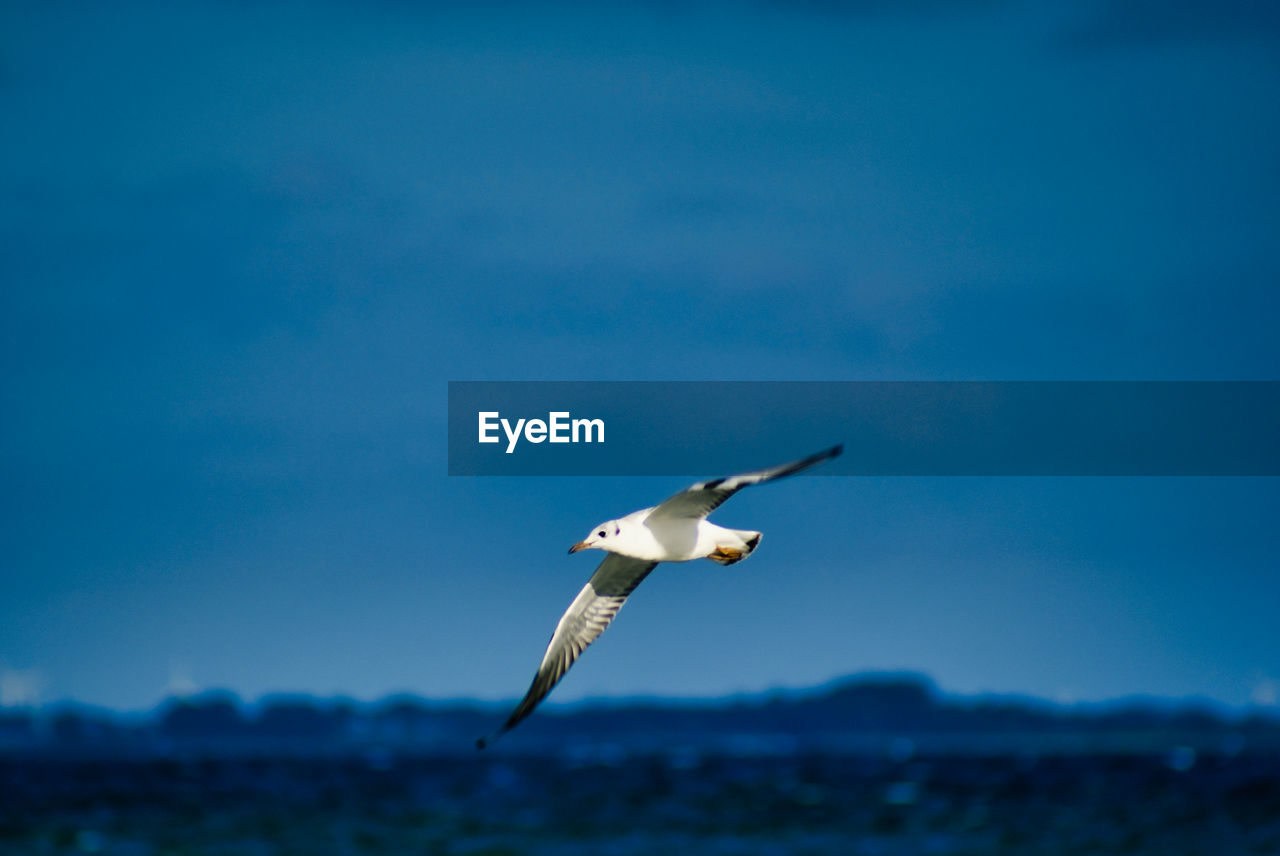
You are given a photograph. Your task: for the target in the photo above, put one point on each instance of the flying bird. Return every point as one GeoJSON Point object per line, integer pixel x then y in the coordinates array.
{"type": "Point", "coordinates": [675, 531]}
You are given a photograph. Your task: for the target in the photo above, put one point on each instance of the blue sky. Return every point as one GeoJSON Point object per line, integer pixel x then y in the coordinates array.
{"type": "Point", "coordinates": [245, 248]}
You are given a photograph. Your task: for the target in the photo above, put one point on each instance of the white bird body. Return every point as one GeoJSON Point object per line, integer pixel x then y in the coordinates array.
{"type": "Point", "coordinates": [674, 531]}
{"type": "Point", "coordinates": [656, 537]}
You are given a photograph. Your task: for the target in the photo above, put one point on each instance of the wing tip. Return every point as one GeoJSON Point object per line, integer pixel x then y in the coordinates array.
{"type": "Point", "coordinates": [488, 740]}
{"type": "Point", "coordinates": [817, 458]}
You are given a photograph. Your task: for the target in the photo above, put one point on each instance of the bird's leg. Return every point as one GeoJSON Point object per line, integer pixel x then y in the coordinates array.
{"type": "Point", "coordinates": [726, 555]}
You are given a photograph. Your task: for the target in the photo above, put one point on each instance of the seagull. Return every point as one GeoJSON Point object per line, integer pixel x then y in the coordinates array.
{"type": "Point", "coordinates": [675, 531]}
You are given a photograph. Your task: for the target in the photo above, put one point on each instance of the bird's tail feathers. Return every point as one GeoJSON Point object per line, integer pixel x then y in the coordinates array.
{"type": "Point", "coordinates": [731, 554]}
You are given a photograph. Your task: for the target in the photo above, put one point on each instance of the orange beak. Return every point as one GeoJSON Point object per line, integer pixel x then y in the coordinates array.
{"type": "Point", "coordinates": [581, 545]}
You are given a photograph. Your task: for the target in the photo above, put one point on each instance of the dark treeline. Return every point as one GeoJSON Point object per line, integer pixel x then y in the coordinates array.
{"type": "Point", "coordinates": [894, 714]}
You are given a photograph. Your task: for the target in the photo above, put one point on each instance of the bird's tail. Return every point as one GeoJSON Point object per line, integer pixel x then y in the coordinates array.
{"type": "Point", "coordinates": [732, 554]}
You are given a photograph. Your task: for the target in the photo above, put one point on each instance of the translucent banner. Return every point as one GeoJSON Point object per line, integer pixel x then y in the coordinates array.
{"type": "Point", "coordinates": [888, 428]}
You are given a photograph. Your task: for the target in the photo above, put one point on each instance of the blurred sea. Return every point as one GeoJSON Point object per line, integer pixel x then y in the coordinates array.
{"type": "Point", "coordinates": [864, 766]}
{"type": "Point", "coordinates": [670, 803]}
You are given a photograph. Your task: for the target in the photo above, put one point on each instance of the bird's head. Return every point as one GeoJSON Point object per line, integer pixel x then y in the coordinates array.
{"type": "Point", "coordinates": [599, 538]}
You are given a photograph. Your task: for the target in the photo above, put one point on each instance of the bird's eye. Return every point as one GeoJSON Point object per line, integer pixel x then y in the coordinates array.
{"type": "Point", "coordinates": [601, 533]}
{"type": "Point", "coordinates": [617, 530]}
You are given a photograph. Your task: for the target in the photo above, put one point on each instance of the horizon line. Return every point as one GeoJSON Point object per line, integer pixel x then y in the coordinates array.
{"type": "Point", "coordinates": [789, 693]}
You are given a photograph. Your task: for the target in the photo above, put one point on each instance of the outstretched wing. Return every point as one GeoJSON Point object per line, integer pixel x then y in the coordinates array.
{"type": "Point", "coordinates": [584, 621]}
{"type": "Point", "coordinates": [705, 497]}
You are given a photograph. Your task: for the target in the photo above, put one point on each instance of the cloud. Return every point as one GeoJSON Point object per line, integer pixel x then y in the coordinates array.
{"type": "Point", "coordinates": [1266, 693]}
{"type": "Point", "coordinates": [180, 682]}
{"type": "Point", "coordinates": [20, 687]}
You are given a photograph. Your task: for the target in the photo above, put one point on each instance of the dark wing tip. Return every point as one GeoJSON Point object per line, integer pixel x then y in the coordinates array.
{"type": "Point", "coordinates": [824, 455]}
